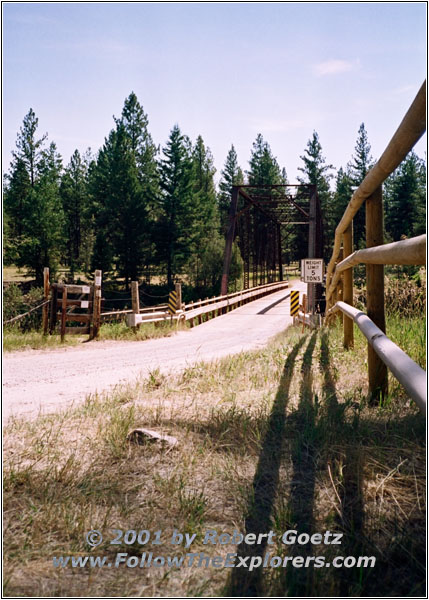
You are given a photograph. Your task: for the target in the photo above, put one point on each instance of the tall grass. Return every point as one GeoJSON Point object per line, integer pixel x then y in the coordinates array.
{"type": "Point", "coordinates": [280, 438]}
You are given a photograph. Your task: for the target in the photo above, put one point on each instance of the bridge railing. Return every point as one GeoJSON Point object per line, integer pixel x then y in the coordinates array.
{"type": "Point", "coordinates": [339, 279]}
{"type": "Point", "coordinates": [211, 307]}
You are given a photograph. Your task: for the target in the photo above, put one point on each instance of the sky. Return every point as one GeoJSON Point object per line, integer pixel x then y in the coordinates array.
{"type": "Point", "coordinates": [225, 71]}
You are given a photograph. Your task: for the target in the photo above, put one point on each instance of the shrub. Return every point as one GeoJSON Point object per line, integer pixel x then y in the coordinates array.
{"type": "Point", "coordinates": [15, 303]}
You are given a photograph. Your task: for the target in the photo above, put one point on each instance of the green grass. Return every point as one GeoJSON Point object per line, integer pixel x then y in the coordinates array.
{"type": "Point", "coordinates": [145, 331]}
{"type": "Point", "coordinates": [280, 438]}
{"type": "Point", "coordinates": [409, 334]}
{"type": "Point", "coordinates": [14, 339]}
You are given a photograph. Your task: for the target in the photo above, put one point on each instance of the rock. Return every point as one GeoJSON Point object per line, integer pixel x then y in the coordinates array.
{"type": "Point", "coordinates": [142, 436]}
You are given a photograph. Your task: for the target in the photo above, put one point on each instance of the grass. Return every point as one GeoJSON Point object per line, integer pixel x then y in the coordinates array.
{"type": "Point", "coordinates": [14, 339]}
{"type": "Point", "coordinates": [279, 439]}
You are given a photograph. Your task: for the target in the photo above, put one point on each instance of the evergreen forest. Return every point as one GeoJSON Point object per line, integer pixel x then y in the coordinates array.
{"type": "Point", "coordinates": [140, 211]}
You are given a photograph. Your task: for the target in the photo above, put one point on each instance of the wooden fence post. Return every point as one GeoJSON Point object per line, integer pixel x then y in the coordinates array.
{"type": "Point", "coordinates": [135, 300]}
{"type": "Point", "coordinates": [348, 287]}
{"type": "Point", "coordinates": [96, 305]}
{"type": "Point", "coordinates": [63, 313]}
{"type": "Point", "coordinates": [54, 309]}
{"type": "Point", "coordinates": [45, 313]}
{"type": "Point", "coordinates": [377, 370]}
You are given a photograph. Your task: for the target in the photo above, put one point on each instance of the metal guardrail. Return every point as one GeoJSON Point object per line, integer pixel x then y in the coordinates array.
{"type": "Point", "coordinates": [407, 372]}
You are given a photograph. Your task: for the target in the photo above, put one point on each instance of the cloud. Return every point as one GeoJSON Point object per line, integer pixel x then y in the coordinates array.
{"type": "Point", "coordinates": [334, 66]}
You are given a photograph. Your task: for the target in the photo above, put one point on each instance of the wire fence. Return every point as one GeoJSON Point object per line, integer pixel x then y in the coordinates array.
{"type": "Point", "coordinates": [18, 317]}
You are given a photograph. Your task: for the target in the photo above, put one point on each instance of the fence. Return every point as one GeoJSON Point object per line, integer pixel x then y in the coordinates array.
{"type": "Point", "coordinates": [61, 305]}
{"type": "Point", "coordinates": [339, 280]}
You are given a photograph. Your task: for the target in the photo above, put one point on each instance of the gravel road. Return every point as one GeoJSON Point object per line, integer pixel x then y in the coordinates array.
{"type": "Point", "coordinates": [43, 381]}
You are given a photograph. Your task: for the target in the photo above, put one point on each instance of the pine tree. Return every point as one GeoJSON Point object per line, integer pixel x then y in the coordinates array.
{"type": "Point", "coordinates": [74, 196]}
{"type": "Point", "coordinates": [264, 168]}
{"type": "Point", "coordinates": [231, 175]}
{"type": "Point", "coordinates": [121, 212]}
{"type": "Point", "coordinates": [135, 122]}
{"type": "Point", "coordinates": [42, 239]}
{"type": "Point", "coordinates": [32, 204]}
{"type": "Point", "coordinates": [405, 195]}
{"type": "Point", "coordinates": [207, 253]}
{"type": "Point", "coordinates": [125, 190]}
{"type": "Point", "coordinates": [343, 193]}
{"type": "Point", "coordinates": [359, 166]}
{"type": "Point", "coordinates": [176, 226]}
{"type": "Point", "coordinates": [30, 148]}
{"type": "Point", "coordinates": [316, 172]}
{"type": "Point", "coordinates": [17, 189]}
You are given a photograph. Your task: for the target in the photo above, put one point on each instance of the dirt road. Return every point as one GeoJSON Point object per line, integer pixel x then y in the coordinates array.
{"type": "Point", "coordinates": [42, 381]}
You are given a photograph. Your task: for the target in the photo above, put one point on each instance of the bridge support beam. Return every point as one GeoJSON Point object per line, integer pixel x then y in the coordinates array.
{"type": "Point", "coordinates": [229, 241]}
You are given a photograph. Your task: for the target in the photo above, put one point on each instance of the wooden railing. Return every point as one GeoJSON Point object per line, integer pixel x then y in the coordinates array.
{"type": "Point", "coordinates": [339, 279]}
{"type": "Point", "coordinates": [212, 307]}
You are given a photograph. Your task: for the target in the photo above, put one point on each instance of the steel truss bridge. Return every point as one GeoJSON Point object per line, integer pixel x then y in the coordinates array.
{"type": "Point", "coordinates": [260, 220]}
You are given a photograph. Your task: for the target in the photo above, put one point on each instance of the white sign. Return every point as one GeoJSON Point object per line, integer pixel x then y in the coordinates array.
{"type": "Point", "coordinates": [312, 270]}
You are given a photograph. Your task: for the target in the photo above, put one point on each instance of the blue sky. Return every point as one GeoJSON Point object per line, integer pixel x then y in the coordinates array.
{"type": "Point", "coordinates": [227, 71]}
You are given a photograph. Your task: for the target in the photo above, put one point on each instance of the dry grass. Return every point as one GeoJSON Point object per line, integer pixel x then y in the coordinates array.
{"type": "Point", "coordinates": [276, 439]}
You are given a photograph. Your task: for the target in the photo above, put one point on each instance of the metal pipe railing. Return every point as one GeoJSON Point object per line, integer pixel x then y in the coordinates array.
{"type": "Point", "coordinates": [407, 372]}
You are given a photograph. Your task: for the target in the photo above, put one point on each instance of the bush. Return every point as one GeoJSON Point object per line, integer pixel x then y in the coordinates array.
{"type": "Point", "coordinates": [403, 295]}
{"type": "Point", "coordinates": [15, 303]}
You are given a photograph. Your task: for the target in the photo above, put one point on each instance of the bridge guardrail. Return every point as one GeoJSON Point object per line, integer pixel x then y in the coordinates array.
{"type": "Point", "coordinates": [208, 306]}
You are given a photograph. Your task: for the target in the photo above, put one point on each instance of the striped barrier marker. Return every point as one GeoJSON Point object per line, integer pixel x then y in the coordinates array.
{"type": "Point", "coordinates": [294, 302]}
{"type": "Point", "coordinates": [172, 302]}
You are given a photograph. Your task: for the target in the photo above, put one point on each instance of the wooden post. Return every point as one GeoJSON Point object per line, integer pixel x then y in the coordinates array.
{"type": "Point", "coordinates": [304, 309]}
{"type": "Point", "coordinates": [96, 305]}
{"type": "Point", "coordinates": [348, 287]}
{"type": "Point", "coordinates": [135, 300]}
{"type": "Point", "coordinates": [54, 308]}
{"type": "Point", "coordinates": [63, 313]}
{"type": "Point", "coordinates": [45, 314]}
{"type": "Point", "coordinates": [377, 370]}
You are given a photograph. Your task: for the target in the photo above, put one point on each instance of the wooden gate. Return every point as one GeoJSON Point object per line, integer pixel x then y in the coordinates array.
{"type": "Point", "coordinates": [76, 305]}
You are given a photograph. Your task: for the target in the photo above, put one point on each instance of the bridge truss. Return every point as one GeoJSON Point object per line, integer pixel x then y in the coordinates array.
{"type": "Point", "coordinates": [260, 219]}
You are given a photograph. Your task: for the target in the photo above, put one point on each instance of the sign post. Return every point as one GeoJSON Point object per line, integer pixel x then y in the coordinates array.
{"type": "Point", "coordinates": [312, 271]}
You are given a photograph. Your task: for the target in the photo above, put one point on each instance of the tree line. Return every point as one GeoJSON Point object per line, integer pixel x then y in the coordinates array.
{"type": "Point", "coordinates": [136, 210]}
